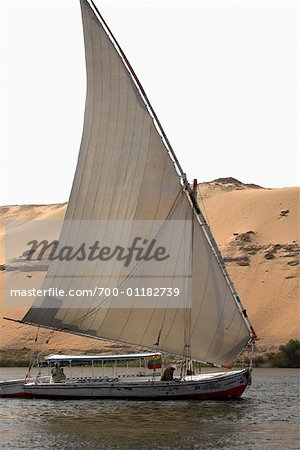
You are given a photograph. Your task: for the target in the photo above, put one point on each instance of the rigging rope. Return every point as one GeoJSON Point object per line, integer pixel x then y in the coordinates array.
{"type": "Point", "coordinates": [31, 357]}
{"type": "Point", "coordinates": [107, 299]}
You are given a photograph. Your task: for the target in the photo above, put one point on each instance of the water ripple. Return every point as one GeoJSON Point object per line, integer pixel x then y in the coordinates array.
{"type": "Point", "coordinates": [266, 418]}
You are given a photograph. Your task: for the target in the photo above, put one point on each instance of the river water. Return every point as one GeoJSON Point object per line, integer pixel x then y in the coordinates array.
{"type": "Point", "coordinates": [265, 418]}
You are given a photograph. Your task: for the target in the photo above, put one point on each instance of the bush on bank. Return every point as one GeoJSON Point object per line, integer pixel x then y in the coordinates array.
{"type": "Point", "coordinates": [288, 355]}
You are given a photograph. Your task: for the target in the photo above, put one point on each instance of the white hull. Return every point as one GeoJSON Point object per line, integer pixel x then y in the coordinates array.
{"type": "Point", "coordinates": [220, 385]}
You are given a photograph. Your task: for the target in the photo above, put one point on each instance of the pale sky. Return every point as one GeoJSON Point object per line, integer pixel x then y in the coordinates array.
{"type": "Point", "coordinates": [221, 75]}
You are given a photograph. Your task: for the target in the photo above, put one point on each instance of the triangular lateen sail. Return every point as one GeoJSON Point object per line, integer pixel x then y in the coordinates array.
{"type": "Point", "coordinates": [125, 172]}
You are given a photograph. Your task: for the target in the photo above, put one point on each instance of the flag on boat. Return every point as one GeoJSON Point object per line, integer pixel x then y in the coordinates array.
{"type": "Point", "coordinates": [154, 362]}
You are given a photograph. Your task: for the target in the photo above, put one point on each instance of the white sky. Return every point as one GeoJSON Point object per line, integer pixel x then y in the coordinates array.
{"type": "Point", "coordinates": [221, 75]}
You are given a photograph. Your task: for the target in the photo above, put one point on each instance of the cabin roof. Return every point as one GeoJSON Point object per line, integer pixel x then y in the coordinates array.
{"type": "Point", "coordinates": [130, 356]}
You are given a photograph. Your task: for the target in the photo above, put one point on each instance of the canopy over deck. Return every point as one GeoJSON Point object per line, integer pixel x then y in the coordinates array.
{"type": "Point", "coordinates": [90, 358]}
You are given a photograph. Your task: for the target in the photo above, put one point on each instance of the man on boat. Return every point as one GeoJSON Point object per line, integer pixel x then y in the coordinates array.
{"type": "Point", "coordinates": [57, 374]}
{"type": "Point", "coordinates": [168, 374]}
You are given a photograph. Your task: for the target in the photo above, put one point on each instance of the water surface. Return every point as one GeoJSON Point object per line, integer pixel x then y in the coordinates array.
{"type": "Point", "coordinates": [266, 418]}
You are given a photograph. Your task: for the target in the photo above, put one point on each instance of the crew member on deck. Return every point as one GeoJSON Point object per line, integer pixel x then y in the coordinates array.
{"type": "Point", "coordinates": [168, 374]}
{"type": "Point", "coordinates": [57, 374]}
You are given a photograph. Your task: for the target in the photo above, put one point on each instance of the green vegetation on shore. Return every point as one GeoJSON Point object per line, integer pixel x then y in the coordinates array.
{"type": "Point", "coordinates": [288, 356]}
{"type": "Point", "coordinates": [14, 362]}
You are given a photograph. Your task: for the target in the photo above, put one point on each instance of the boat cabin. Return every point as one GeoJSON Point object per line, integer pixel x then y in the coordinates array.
{"type": "Point", "coordinates": [102, 367]}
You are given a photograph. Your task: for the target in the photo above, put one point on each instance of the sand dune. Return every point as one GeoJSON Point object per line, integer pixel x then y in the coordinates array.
{"type": "Point", "coordinates": [257, 230]}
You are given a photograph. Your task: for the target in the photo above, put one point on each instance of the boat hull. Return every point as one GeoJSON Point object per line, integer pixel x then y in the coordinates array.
{"type": "Point", "coordinates": [12, 388]}
{"type": "Point", "coordinates": [221, 386]}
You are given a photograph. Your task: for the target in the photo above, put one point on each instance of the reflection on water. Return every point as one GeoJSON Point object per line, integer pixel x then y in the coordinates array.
{"type": "Point", "coordinates": [265, 418]}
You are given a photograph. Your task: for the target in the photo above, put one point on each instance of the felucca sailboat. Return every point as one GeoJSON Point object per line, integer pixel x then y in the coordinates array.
{"type": "Point", "coordinates": [128, 176]}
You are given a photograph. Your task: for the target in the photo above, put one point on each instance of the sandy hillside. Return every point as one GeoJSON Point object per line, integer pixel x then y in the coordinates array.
{"type": "Point", "coordinates": [258, 233]}
{"type": "Point", "coordinates": [257, 230]}
{"type": "Point", "coordinates": [17, 339]}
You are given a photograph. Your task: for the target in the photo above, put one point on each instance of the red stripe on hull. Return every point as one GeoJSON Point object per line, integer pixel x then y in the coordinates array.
{"type": "Point", "coordinates": [230, 393]}
{"type": "Point", "coordinates": [227, 394]}
{"type": "Point", "coordinates": [17, 394]}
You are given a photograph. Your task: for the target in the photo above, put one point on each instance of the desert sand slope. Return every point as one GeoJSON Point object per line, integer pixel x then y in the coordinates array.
{"type": "Point", "coordinates": [17, 339]}
{"type": "Point", "coordinates": [258, 232]}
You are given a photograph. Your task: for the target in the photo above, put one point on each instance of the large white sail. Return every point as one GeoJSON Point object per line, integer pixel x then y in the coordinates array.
{"type": "Point", "coordinates": [125, 172]}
